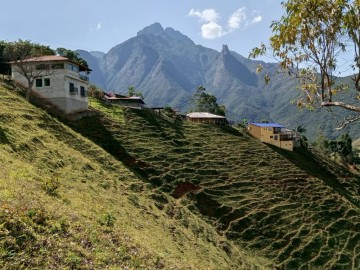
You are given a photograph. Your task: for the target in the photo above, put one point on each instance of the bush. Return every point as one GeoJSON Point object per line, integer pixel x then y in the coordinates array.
{"type": "Point", "coordinates": [51, 186]}
{"type": "Point", "coordinates": [107, 220]}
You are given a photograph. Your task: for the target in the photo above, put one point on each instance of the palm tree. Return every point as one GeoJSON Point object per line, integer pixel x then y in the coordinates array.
{"type": "Point", "coordinates": [301, 131]}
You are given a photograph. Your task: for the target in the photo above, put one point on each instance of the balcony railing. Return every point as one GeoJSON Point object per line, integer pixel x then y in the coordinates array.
{"type": "Point", "coordinates": [286, 137]}
{"type": "Point", "coordinates": [84, 77]}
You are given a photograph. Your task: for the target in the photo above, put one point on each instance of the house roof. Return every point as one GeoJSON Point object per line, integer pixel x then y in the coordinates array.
{"type": "Point", "coordinates": [267, 125]}
{"type": "Point", "coordinates": [112, 96]}
{"type": "Point", "coordinates": [133, 98]}
{"type": "Point", "coordinates": [53, 58]}
{"type": "Point", "coordinates": [204, 115]}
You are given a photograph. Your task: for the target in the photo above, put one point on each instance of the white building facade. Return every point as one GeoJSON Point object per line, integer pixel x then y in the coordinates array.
{"type": "Point", "coordinates": [62, 82]}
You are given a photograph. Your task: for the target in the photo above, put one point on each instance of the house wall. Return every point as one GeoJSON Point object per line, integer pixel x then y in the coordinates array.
{"type": "Point", "coordinates": [266, 134]}
{"type": "Point", "coordinates": [288, 145]}
{"type": "Point", "coordinates": [215, 121]}
{"type": "Point", "coordinates": [135, 104]}
{"type": "Point", "coordinates": [255, 131]}
{"type": "Point", "coordinates": [59, 90]}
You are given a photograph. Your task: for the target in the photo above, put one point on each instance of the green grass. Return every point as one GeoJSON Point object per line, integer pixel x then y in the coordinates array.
{"type": "Point", "coordinates": [111, 110]}
{"type": "Point", "coordinates": [296, 209]}
{"type": "Point", "coordinates": [66, 203]}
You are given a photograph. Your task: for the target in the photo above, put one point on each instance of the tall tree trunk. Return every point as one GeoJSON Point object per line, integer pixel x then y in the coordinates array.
{"type": "Point", "coordinates": [29, 89]}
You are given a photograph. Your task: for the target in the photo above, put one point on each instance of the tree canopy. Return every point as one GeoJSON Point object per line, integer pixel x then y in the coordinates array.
{"type": "Point", "coordinates": [133, 93]}
{"type": "Point", "coordinates": [74, 56]}
{"type": "Point", "coordinates": [204, 102]}
{"type": "Point", "coordinates": [311, 41]}
{"type": "Point", "coordinates": [19, 51]}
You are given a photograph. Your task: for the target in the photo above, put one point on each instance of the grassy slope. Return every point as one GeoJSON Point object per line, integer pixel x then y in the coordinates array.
{"type": "Point", "coordinates": [65, 203]}
{"type": "Point", "coordinates": [290, 207]}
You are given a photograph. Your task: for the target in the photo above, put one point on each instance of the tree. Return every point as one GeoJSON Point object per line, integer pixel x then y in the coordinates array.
{"type": "Point", "coordinates": [301, 131]}
{"type": "Point", "coordinates": [310, 42]}
{"type": "Point", "coordinates": [5, 67]}
{"type": "Point", "coordinates": [18, 52]}
{"type": "Point", "coordinates": [74, 56]}
{"type": "Point", "coordinates": [94, 91]}
{"type": "Point", "coordinates": [133, 93]}
{"type": "Point", "coordinates": [204, 102]}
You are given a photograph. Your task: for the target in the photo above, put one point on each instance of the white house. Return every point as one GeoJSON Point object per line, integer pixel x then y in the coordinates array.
{"type": "Point", "coordinates": [63, 82]}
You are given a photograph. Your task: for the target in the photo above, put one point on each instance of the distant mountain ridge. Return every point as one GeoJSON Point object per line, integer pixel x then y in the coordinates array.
{"type": "Point", "coordinates": [167, 67]}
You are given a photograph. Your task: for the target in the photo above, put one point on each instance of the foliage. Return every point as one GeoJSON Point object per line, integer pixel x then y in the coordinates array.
{"type": "Point", "coordinates": [51, 186]}
{"type": "Point", "coordinates": [341, 147]}
{"type": "Point", "coordinates": [243, 124]}
{"type": "Point", "coordinates": [301, 131]}
{"type": "Point", "coordinates": [74, 56]}
{"type": "Point", "coordinates": [38, 231]}
{"type": "Point", "coordinates": [204, 102]}
{"type": "Point", "coordinates": [94, 91]}
{"type": "Point", "coordinates": [253, 194]}
{"type": "Point", "coordinates": [108, 219]}
{"type": "Point", "coordinates": [5, 68]}
{"type": "Point", "coordinates": [311, 42]}
{"type": "Point", "coordinates": [22, 49]}
{"type": "Point", "coordinates": [133, 93]}
{"type": "Point", "coordinates": [169, 111]}
{"type": "Point", "coordinates": [19, 52]}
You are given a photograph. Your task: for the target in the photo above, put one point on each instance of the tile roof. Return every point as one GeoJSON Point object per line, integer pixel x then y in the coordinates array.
{"type": "Point", "coordinates": [47, 58]}
{"type": "Point", "coordinates": [53, 58]}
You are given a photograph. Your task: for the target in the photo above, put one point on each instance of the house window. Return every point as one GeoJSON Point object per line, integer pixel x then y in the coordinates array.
{"type": "Point", "coordinates": [82, 91]}
{"type": "Point", "coordinates": [73, 67]}
{"type": "Point", "coordinates": [72, 88]}
{"type": "Point", "coordinates": [38, 83]}
{"type": "Point", "coordinates": [275, 137]}
{"type": "Point", "coordinates": [57, 66]}
{"type": "Point", "coordinates": [271, 137]}
{"type": "Point", "coordinates": [47, 82]}
{"type": "Point", "coordinates": [42, 67]}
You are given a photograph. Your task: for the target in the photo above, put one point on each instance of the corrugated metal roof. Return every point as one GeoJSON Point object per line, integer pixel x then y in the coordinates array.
{"type": "Point", "coordinates": [204, 115]}
{"type": "Point", "coordinates": [268, 125]}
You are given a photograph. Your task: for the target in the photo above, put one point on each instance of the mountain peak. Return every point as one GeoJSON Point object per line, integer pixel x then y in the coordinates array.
{"type": "Point", "coordinates": [225, 49]}
{"type": "Point", "coordinates": [153, 29]}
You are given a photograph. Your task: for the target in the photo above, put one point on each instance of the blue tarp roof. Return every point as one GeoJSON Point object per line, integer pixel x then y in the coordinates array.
{"type": "Point", "coordinates": [268, 125]}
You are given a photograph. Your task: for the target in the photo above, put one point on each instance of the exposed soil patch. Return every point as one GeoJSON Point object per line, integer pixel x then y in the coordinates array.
{"type": "Point", "coordinates": [184, 188]}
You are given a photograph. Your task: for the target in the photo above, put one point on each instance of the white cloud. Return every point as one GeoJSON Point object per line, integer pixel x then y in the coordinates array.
{"type": "Point", "coordinates": [211, 29]}
{"type": "Point", "coordinates": [236, 19]}
{"type": "Point", "coordinates": [98, 26]}
{"type": "Point", "coordinates": [207, 15]}
{"type": "Point", "coordinates": [256, 19]}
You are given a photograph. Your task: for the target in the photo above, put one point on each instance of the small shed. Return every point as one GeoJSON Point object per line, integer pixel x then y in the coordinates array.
{"type": "Point", "coordinates": [207, 118]}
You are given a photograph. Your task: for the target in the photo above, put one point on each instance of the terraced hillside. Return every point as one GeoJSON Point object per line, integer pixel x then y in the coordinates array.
{"type": "Point", "coordinates": [65, 203]}
{"type": "Point", "coordinates": [293, 208]}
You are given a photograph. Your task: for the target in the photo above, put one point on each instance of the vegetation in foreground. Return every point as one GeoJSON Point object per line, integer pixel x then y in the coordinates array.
{"type": "Point", "coordinates": [65, 203]}
{"type": "Point", "coordinates": [295, 208]}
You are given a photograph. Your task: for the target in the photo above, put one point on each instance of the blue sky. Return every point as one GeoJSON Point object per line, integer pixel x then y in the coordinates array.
{"type": "Point", "coordinates": [101, 25]}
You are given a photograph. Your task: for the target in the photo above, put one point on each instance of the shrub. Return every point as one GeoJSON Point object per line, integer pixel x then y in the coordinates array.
{"type": "Point", "coordinates": [107, 220]}
{"type": "Point", "coordinates": [51, 186]}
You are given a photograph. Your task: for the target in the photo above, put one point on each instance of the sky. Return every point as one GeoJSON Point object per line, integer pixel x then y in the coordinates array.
{"type": "Point", "coordinates": [100, 25]}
